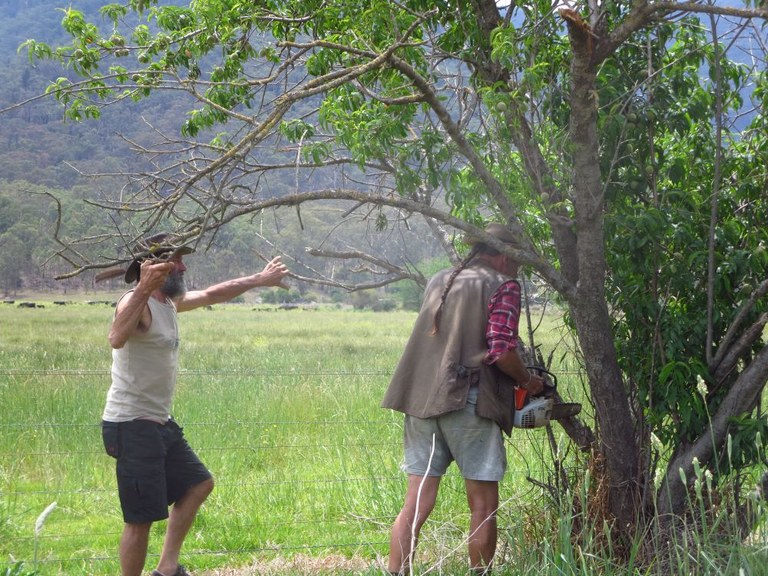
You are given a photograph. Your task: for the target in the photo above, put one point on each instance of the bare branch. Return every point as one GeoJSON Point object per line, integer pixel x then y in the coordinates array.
{"type": "Point", "coordinates": [644, 13]}
{"type": "Point", "coordinates": [737, 341]}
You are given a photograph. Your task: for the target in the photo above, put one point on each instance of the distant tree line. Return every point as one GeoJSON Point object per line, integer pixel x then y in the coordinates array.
{"type": "Point", "coordinates": [50, 166]}
{"type": "Point", "coordinates": [28, 214]}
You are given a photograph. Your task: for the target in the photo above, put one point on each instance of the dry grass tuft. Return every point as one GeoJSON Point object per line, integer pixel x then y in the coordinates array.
{"type": "Point", "coordinates": [300, 565]}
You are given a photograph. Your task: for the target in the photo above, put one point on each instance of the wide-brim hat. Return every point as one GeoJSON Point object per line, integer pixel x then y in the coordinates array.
{"type": "Point", "coordinates": [157, 247]}
{"type": "Point", "coordinates": [161, 247]}
{"type": "Point", "coordinates": [498, 231]}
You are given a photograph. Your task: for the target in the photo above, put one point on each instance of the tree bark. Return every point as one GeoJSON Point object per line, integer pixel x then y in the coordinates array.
{"type": "Point", "coordinates": [741, 398]}
{"type": "Point", "coordinates": [589, 308]}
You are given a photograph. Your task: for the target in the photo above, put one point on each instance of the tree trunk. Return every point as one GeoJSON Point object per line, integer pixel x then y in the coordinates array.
{"type": "Point", "coordinates": [741, 398]}
{"type": "Point", "coordinates": [589, 308]}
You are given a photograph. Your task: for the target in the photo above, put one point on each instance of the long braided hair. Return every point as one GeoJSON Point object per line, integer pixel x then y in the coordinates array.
{"type": "Point", "coordinates": [476, 249]}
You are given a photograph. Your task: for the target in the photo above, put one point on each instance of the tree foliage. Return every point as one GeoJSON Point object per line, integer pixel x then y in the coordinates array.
{"type": "Point", "coordinates": [624, 143]}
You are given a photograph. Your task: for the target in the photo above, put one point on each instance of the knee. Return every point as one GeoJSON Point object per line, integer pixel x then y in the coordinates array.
{"type": "Point", "coordinates": [199, 492]}
{"type": "Point", "coordinates": [136, 528]}
{"type": "Point", "coordinates": [483, 517]}
{"type": "Point", "coordinates": [206, 487]}
{"type": "Point", "coordinates": [483, 502]}
{"type": "Point", "coordinates": [484, 514]}
{"type": "Point", "coordinates": [484, 508]}
{"type": "Point", "coordinates": [410, 519]}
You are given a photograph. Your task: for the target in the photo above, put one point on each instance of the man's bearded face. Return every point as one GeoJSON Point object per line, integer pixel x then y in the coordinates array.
{"type": "Point", "coordinates": [174, 286]}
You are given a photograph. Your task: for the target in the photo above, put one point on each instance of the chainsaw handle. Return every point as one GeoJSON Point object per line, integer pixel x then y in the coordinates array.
{"type": "Point", "coordinates": [548, 388]}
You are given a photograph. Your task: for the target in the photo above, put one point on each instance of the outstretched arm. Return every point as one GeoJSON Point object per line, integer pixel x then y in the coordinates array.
{"type": "Point", "coordinates": [272, 275]}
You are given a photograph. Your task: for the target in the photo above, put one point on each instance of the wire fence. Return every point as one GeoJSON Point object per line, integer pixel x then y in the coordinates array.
{"type": "Point", "coordinates": [265, 462]}
{"type": "Point", "coordinates": [304, 462]}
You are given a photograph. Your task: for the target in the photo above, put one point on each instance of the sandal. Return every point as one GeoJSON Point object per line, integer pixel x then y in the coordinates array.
{"type": "Point", "coordinates": [180, 571]}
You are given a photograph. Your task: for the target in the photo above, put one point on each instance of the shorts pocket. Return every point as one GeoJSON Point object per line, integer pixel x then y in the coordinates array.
{"type": "Point", "coordinates": [111, 438]}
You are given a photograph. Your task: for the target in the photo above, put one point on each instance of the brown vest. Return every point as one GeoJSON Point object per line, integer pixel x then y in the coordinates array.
{"type": "Point", "coordinates": [435, 371]}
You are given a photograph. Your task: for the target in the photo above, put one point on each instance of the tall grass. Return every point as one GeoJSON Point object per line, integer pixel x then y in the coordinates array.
{"type": "Point", "coordinates": [283, 407]}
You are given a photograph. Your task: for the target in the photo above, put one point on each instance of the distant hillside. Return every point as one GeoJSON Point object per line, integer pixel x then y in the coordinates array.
{"type": "Point", "coordinates": [39, 152]}
{"type": "Point", "coordinates": [39, 19]}
{"type": "Point", "coordinates": [35, 143]}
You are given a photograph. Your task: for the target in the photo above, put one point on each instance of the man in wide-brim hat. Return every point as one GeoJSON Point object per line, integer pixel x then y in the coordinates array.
{"type": "Point", "coordinates": [156, 467]}
{"type": "Point", "coordinates": [455, 404]}
{"type": "Point", "coordinates": [158, 247]}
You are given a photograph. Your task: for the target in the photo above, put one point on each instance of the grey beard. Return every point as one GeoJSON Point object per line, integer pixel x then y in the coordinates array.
{"type": "Point", "coordinates": [174, 286]}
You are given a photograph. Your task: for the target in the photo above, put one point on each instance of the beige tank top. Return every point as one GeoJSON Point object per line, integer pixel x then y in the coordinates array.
{"type": "Point", "coordinates": [144, 370]}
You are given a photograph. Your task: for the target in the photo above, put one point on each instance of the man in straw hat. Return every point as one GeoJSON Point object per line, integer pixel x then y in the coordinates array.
{"type": "Point", "coordinates": [156, 468]}
{"type": "Point", "coordinates": [455, 404]}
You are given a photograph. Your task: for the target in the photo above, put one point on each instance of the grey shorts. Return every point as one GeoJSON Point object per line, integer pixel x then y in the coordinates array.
{"type": "Point", "coordinates": [476, 444]}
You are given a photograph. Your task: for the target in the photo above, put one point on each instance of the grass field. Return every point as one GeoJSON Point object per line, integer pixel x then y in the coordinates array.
{"type": "Point", "coordinates": [283, 407]}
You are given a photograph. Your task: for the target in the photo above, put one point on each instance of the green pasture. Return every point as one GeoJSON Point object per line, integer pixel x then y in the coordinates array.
{"type": "Point", "coordinates": [283, 407]}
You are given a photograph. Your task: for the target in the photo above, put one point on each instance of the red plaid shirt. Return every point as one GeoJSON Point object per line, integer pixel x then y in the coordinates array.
{"type": "Point", "coordinates": [503, 319]}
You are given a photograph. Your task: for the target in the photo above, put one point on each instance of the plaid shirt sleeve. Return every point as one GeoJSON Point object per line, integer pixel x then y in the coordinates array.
{"type": "Point", "coordinates": [503, 319]}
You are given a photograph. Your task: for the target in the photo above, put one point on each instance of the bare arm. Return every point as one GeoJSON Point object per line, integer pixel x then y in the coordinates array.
{"type": "Point", "coordinates": [132, 315]}
{"type": "Point", "coordinates": [512, 365]}
{"type": "Point", "coordinates": [272, 275]}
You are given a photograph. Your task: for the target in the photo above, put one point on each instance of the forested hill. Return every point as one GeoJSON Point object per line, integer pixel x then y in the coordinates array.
{"type": "Point", "coordinates": [41, 154]}
{"type": "Point", "coordinates": [35, 143]}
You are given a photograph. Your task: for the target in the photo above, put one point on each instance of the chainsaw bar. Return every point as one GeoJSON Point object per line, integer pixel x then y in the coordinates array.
{"type": "Point", "coordinates": [564, 410]}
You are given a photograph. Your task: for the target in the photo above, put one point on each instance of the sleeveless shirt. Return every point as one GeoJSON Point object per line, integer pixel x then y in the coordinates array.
{"type": "Point", "coordinates": [144, 370]}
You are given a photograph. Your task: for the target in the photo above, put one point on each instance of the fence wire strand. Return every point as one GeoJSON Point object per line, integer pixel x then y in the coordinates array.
{"type": "Point", "coordinates": [19, 498]}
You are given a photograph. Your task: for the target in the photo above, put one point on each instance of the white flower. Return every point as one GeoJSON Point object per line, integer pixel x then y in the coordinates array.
{"type": "Point", "coordinates": [655, 442]}
{"type": "Point", "coordinates": [701, 386]}
{"type": "Point", "coordinates": [43, 515]}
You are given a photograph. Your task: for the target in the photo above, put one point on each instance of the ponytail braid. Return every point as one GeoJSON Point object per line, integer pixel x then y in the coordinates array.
{"type": "Point", "coordinates": [463, 264]}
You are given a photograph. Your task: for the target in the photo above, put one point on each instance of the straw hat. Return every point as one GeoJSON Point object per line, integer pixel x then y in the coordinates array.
{"type": "Point", "coordinates": [160, 246]}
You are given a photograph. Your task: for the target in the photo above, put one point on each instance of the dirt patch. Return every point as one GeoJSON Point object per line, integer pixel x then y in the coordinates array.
{"type": "Point", "coordinates": [301, 565]}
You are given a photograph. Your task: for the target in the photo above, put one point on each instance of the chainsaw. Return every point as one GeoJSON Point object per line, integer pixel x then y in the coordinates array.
{"type": "Point", "coordinates": [538, 411]}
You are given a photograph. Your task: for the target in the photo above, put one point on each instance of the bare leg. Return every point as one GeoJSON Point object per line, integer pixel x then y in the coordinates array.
{"type": "Point", "coordinates": [483, 498]}
{"type": "Point", "coordinates": [180, 521]}
{"type": "Point", "coordinates": [133, 548]}
{"type": "Point", "coordinates": [405, 530]}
